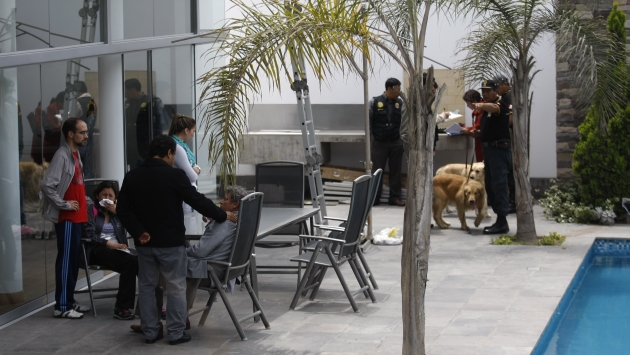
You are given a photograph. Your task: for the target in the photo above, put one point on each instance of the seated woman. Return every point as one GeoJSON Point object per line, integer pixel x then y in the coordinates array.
{"type": "Point", "coordinates": [109, 246]}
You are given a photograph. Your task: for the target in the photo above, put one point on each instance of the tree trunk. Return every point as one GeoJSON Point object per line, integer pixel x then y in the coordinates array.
{"type": "Point", "coordinates": [418, 213]}
{"type": "Point", "coordinates": [525, 224]}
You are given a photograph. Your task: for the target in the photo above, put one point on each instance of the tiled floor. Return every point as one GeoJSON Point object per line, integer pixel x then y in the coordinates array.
{"type": "Point", "coordinates": [481, 299]}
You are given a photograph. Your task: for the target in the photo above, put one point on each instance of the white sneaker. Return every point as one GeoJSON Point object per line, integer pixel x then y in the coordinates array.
{"type": "Point", "coordinates": [72, 314]}
{"type": "Point", "coordinates": [80, 308]}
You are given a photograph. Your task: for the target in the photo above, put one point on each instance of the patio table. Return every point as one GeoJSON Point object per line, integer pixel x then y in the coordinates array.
{"type": "Point", "coordinates": [274, 219]}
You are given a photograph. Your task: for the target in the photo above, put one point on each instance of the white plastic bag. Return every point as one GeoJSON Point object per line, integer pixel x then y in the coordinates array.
{"type": "Point", "coordinates": [388, 236]}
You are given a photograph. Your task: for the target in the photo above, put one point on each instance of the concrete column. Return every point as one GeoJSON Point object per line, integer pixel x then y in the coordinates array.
{"type": "Point", "coordinates": [11, 287]}
{"type": "Point", "coordinates": [111, 112]}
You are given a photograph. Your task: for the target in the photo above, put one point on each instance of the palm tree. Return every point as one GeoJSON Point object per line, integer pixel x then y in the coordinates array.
{"type": "Point", "coordinates": [328, 35]}
{"type": "Point", "coordinates": [504, 42]}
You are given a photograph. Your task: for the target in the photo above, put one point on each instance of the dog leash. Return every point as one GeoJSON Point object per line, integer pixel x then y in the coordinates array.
{"type": "Point", "coordinates": [466, 160]}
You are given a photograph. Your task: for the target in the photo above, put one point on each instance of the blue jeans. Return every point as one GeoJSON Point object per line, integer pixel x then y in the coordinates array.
{"type": "Point", "coordinates": [498, 163]}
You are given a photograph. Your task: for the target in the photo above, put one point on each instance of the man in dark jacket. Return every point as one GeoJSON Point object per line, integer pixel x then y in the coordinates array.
{"type": "Point", "coordinates": [150, 208]}
{"type": "Point", "coordinates": [385, 118]}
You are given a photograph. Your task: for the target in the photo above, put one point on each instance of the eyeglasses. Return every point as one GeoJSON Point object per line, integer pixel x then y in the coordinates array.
{"type": "Point", "coordinates": [83, 133]}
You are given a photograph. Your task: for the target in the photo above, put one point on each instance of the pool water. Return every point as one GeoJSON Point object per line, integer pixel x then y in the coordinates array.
{"type": "Point", "coordinates": [593, 316]}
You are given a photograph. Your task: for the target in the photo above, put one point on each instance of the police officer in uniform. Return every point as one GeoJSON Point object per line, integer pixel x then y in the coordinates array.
{"type": "Point", "coordinates": [385, 117]}
{"type": "Point", "coordinates": [497, 152]}
{"type": "Point", "coordinates": [503, 89]}
{"type": "Point", "coordinates": [139, 118]}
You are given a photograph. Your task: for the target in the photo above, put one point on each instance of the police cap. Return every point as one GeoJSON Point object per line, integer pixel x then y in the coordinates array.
{"type": "Point", "coordinates": [489, 84]}
{"type": "Point", "coordinates": [501, 79]}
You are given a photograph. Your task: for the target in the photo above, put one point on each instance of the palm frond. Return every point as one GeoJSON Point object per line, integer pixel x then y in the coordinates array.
{"type": "Point", "coordinates": [262, 42]}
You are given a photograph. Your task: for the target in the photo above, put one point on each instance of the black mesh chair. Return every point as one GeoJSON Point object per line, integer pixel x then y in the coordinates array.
{"type": "Point", "coordinates": [282, 182]}
{"type": "Point", "coordinates": [110, 292]}
{"type": "Point", "coordinates": [239, 263]}
{"type": "Point", "coordinates": [374, 184]}
{"type": "Point", "coordinates": [335, 251]}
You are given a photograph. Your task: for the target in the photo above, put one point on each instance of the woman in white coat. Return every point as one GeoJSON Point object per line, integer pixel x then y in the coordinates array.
{"type": "Point", "coordinates": [183, 131]}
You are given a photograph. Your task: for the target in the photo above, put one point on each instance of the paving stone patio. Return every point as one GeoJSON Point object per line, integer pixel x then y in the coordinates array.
{"type": "Point", "coordinates": [481, 299]}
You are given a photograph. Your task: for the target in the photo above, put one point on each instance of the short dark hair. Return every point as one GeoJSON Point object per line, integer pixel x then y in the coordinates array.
{"type": "Point", "coordinates": [391, 82]}
{"type": "Point", "coordinates": [160, 146]}
{"type": "Point", "coordinates": [472, 96]}
{"type": "Point", "coordinates": [105, 185]}
{"type": "Point", "coordinates": [133, 83]}
{"type": "Point", "coordinates": [80, 86]}
{"type": "Point", "coordinates": [61, 96]}
{"type": "Point", "coordinates": [70, 125]}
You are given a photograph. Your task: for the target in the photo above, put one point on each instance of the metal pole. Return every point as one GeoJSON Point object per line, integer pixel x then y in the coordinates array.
{"type": "Point", "coordinates": [366, 113]}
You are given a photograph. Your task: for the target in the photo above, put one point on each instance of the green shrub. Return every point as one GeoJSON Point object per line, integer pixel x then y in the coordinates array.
{"type": "Point", "coordinates": [552, 239]}
{"type": "Point", "coordinates": [563, 204]}
{"type": "Point", "coordinates": [601, 160]}
{"type": "Point", "coordinates": [503, 239]}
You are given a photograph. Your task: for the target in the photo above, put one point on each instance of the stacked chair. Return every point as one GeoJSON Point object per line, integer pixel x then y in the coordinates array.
{"type": "Point", "coordinates": [341, 246]}
{"type": "Point", "coordinates": [282, 182]}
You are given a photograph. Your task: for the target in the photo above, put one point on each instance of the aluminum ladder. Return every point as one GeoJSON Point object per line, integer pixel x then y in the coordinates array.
{"type": "Point", "coordinates": [89, 16]}
{"type": "Point", "coordinates": [313, 157]}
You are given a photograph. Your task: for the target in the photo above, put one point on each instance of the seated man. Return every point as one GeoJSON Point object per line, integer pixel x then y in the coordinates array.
{"type": "Point", "coordinates": [215, 244]}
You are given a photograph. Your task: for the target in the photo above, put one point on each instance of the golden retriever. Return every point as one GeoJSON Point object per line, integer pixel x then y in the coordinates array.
{"type": "Point", "coordinates": [477, 174]}
{"type": "Point", "coordinates": [453, 188]}
{"type": "Point", "coordinates": [32, 174]}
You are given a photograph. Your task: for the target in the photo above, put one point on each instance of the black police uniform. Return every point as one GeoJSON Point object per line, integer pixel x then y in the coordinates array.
{"type": "Point", "coordinates": [497, 153]}
{"type": "Point", "coordinates": [385, 117]}
{"type": "Point", "coordinates": [139, 120]}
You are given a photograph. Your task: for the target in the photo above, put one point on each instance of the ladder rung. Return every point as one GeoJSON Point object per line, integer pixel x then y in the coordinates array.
{"type": "Point", "coordinates": [308, 122]}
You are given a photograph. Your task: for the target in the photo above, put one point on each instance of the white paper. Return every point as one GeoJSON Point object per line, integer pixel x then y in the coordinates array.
{"type": "Point", "coordinates": [454, 130]}
{"type": "Point", "coordinates": [452, 116]}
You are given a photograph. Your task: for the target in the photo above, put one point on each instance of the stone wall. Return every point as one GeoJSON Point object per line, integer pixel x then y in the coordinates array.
{"type": "Point", "coordinates": [568, 118]}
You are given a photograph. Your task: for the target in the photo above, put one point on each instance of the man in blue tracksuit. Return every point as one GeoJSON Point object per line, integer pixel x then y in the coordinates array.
{"type": "Point", "coordinates": [65, 206]}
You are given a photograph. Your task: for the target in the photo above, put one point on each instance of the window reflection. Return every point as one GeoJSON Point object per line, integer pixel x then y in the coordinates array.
{"type": "Point", "coordinates": [144, 111]}
{"type": "Point", "coordinates": [148, 18]}
{"type": "Point", "coordinates": [37, 24]}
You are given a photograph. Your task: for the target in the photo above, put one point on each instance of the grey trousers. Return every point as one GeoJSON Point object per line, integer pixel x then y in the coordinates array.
{"type": "Point", "coordinates": [171, 263]}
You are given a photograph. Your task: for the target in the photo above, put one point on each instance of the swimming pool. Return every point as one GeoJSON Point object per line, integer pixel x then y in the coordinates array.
{"type": "Point", "coordinates": [593, 316]}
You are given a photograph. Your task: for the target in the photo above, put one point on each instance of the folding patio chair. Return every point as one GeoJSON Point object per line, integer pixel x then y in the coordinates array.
{"type": "Point", "coordinates": [333, 252]}
{"type": "Point", "coordinates": [376, 180]}
{"type": "Point", "coordinates": [282, 182]}
{"type": "Point", "coordinates": [238, 264]}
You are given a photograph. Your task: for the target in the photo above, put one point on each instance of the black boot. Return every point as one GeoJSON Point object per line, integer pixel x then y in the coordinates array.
{"type": "Point", "coordinates": [499, 227]}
